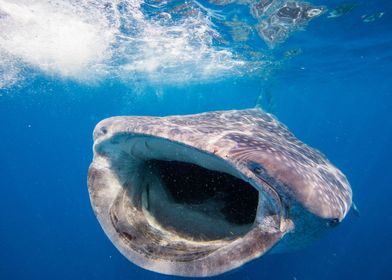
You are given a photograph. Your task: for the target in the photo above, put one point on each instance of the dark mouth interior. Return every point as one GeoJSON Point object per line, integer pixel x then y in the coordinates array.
{"type": "Point", "coordinates": [213, 194]}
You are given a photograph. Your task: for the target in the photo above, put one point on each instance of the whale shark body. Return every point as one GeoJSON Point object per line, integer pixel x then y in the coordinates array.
{"type": "Point", "coordinates": [199, 195]}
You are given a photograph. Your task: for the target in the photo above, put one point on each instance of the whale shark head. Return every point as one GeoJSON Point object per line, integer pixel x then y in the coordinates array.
{"type": "Point", "coordinates": [199, 195]}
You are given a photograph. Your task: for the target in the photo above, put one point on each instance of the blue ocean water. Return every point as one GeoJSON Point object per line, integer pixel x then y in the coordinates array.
{"type": "Point", "coordinates": [329, 81]}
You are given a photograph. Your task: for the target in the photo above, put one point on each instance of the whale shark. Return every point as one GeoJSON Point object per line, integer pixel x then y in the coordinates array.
{"type": "Point", "coordinates": [199, 195]}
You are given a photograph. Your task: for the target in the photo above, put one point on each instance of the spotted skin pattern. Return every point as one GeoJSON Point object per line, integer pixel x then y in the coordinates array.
{"type": "Point", "coordinates": [241, 137]}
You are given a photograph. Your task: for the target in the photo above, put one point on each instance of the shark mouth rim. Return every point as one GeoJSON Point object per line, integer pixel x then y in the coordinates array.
{"type": "Point", "coordinates": [133, 206]}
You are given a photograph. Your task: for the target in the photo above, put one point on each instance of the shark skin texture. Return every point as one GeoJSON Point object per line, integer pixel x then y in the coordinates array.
{"type": "Point", "coordinates": [200, 195]}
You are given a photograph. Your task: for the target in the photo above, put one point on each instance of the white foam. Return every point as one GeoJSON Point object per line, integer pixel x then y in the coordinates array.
{"type": "Point", "coordinates": [9, 71]}
{"type": "Point", "coordinates": [53, 38]}
{"type": "Point", "coordinates": [90, 40]}
{"type": "Point", "coordinates": [178, 53]}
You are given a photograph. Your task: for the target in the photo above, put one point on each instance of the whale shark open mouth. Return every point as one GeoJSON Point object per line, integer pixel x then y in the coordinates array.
{"type": "Point", "coordinates": [188, 199]}
{"type": "Point", "coordinates": [202, 194]}
{"type": "Point", "coordinates": [179, 208]}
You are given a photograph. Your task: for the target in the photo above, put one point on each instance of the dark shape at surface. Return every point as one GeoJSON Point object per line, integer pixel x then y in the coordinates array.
{"type": "Point", "coordinates": [199, 195]}
{"type": "Point", "coordinates": [342, 10]}
{"type": "Point", "coordinates": [277, 19]}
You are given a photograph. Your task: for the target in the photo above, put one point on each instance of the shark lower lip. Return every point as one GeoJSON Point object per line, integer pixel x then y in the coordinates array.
{"type": "Point", "coordinates": [203, 194]}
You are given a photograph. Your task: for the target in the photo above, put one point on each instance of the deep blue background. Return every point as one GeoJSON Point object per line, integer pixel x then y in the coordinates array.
{"type": "Point", "coordinates": [336, 96]}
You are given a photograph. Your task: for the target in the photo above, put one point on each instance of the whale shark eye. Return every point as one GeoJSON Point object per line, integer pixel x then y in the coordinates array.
{"type": "Point", "coordinates": [333, 222]}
